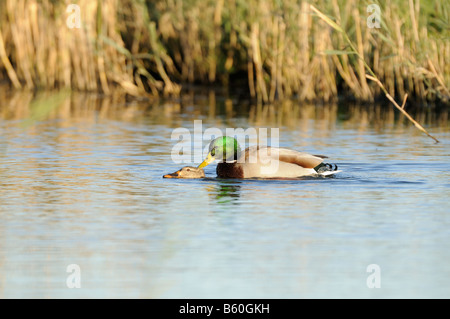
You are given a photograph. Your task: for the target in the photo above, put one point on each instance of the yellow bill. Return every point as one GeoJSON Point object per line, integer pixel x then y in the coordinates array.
{"type": "Point", "coordinates": [209, 159]}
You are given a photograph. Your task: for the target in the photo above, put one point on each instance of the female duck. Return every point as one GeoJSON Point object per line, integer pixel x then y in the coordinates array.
{"type": "Point", "coordinates": [187, 172]}
{"type": "Point", "coordinates": [263, 161]}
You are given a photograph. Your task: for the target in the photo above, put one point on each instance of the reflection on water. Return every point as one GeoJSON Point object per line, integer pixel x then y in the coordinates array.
{"type": "Point", "coordinates": [225, 192]}
{"type": "Point", "coordinates": [80, 183]}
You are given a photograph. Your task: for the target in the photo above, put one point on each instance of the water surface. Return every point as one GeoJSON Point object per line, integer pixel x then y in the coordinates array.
{"type": "Point", "coordinates": [81, 183]}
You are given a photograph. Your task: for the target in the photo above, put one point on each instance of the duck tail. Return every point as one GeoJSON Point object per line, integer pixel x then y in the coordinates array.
{"type": "Point", "coordinates": [325, 167]}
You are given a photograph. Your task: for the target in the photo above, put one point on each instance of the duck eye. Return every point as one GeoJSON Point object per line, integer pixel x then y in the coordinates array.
{"type": "Point", "coordinates": [188, 169]}
{"type": "Point", "coordinates": [213, 152]}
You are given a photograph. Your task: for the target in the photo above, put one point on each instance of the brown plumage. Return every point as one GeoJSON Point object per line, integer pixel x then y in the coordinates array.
{"type": "Point", "coordinates": [229, 170]}
{"type": "Point", "coordinates": [187, 172]}
{"type": "Point", "coordinates": [270, 162]}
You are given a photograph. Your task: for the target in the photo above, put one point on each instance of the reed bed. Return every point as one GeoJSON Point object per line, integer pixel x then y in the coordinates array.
{"type": "Point", "coordinates": [274, 49]}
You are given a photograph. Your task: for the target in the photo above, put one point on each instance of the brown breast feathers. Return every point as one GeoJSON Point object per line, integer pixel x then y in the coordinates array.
{"type": "Point", "coordinates": [229, 170]}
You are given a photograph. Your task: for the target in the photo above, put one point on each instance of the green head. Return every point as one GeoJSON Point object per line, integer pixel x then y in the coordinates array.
{"type": "Point", "coordinates": [223, 148]}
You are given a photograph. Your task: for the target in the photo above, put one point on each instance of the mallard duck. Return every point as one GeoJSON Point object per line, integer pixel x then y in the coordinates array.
{"type": "Point", "coordinates": [187, 172]}
{"type": "Point", "coordinates": [263, 161]}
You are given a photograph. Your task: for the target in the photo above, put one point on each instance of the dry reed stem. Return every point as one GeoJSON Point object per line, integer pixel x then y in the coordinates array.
{"type": "Point", "coordinates": [372, 75]}
{"type": "Point", "coordinates": [400, 108]}
{"type": "Point", "coordinates": [151, 47]}
{"type": "Point", "coordinates": [9, 68]}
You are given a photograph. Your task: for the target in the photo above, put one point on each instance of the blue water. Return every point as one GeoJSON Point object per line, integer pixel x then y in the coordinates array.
{"type": "Point", "coordinates": [86, 188]}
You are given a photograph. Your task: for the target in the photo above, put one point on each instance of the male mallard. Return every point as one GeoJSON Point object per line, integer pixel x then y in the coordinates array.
{"type": "Point", "coordinates": [263, 161]}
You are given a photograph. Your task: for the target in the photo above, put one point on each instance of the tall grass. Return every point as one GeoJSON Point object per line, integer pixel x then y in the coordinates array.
{"type": "Point", "coordinates": [279, 48]}
{"type": "Point", "coordinates": [39, 50]}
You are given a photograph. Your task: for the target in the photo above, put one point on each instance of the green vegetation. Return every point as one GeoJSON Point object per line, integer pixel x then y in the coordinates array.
{"type": "Point", "coordinates": [274, 49]}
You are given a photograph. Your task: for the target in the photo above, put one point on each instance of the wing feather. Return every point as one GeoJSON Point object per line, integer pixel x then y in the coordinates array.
{"type": "Point", "coordinates": [283, 155]}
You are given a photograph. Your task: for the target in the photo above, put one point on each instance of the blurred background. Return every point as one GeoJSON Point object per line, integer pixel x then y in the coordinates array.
{"type": "Point", "coordinates": [90, 95]}
{"type": "Point", "coordinates": [268, 49]}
